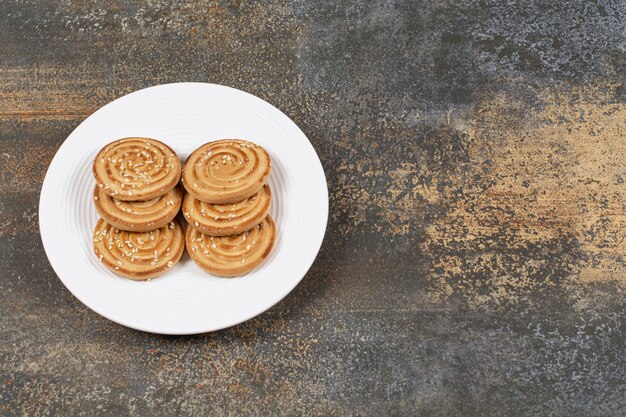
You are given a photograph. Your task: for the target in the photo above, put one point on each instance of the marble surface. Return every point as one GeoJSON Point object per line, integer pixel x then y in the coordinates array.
{"type": "Point", "coordinates": [475, 257]}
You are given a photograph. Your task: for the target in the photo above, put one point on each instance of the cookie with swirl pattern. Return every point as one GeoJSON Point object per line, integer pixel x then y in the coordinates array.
{"type": "Point", "coordinates": [235, 255]}
{"type": "Point", "coordinates": [226, 171]}
{"type": "Point", "coordinates": [136, 169]}
{"type": "Point", "coordinates": [139, 256]}
{"type": "Point", "coordinates": [138, 216]}
{"type": "Point", "coordinates": [227, 219]}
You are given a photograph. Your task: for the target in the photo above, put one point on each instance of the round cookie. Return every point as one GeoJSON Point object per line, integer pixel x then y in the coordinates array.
{"type": "Point", "coordinates": [231, 256]}
{"type": "Point", "coordinates": [139, 256]}
{"type": "Point", "coordinates": [227, 219]}
{"type": "Point", "coordinates": [136, 169]}
{"type": "Point", "coordinates": [226, 171]}
{"type": "Point", "coordinates": [138, 216]}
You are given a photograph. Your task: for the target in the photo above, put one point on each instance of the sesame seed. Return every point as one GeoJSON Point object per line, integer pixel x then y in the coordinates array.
{"type": "Point", "coordinates": [196, 224]}
{"type": "Point", "coordinates": [152, 263]}
{"type": "Point", "coordinates": [95, 197]}
{"type": "Point", "coordinates": [186, 214]}
{"type": "Point", "coordinates": [213, 245]}
{"type": "Point", "coordinates": [235, 227]}
{"type": "Point", "coordinates": [170, 264]}
{"type": "Point", "coordinates": [248, 247]}
{"type": "Point", "coordinates": [217, 218]}
{"type": "Point", "coordinates": [243, 261]}
{"type": "Point", "coordinates": [117, 268]}
{"type": "Point", "coordinates": [168, 249]}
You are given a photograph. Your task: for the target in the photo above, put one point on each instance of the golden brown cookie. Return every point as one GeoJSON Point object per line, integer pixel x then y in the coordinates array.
{"type": "Point", "coordinates": [138, 216]}
{"type": "Point", "coordinates": [230, 256]}
{"type": "Point", "coordinates": [227, 219]}
{"type": "Point", "coordinates": [136, 169]}
{"type": "Point", "coordinates": [139, 256]}
{"type": "Point", "coordinates": [226, 171]}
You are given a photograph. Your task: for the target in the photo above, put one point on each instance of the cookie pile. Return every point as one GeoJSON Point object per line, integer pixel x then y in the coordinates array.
{"type": "Point", "coordinates": [137, 198]}
{"type": "Point", "coordinates": [227, 207]}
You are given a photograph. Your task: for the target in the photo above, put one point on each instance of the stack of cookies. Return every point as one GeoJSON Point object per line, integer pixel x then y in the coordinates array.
{"type": "Point", "coordinates": [137, 198]}
{"type": "Point", "coordinates": [230, 231]}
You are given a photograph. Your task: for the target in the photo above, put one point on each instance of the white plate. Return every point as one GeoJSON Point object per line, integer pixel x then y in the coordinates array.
{"type": "Point", "coordinates": [186, 300]}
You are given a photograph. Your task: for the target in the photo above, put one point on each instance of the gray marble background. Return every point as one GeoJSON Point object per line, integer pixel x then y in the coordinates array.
{"type": "Point", "coordinates": [475, 257]}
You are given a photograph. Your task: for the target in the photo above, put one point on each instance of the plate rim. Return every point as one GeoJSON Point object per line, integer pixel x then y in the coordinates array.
{"type": "Point", "coordinates": [326, 204]}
